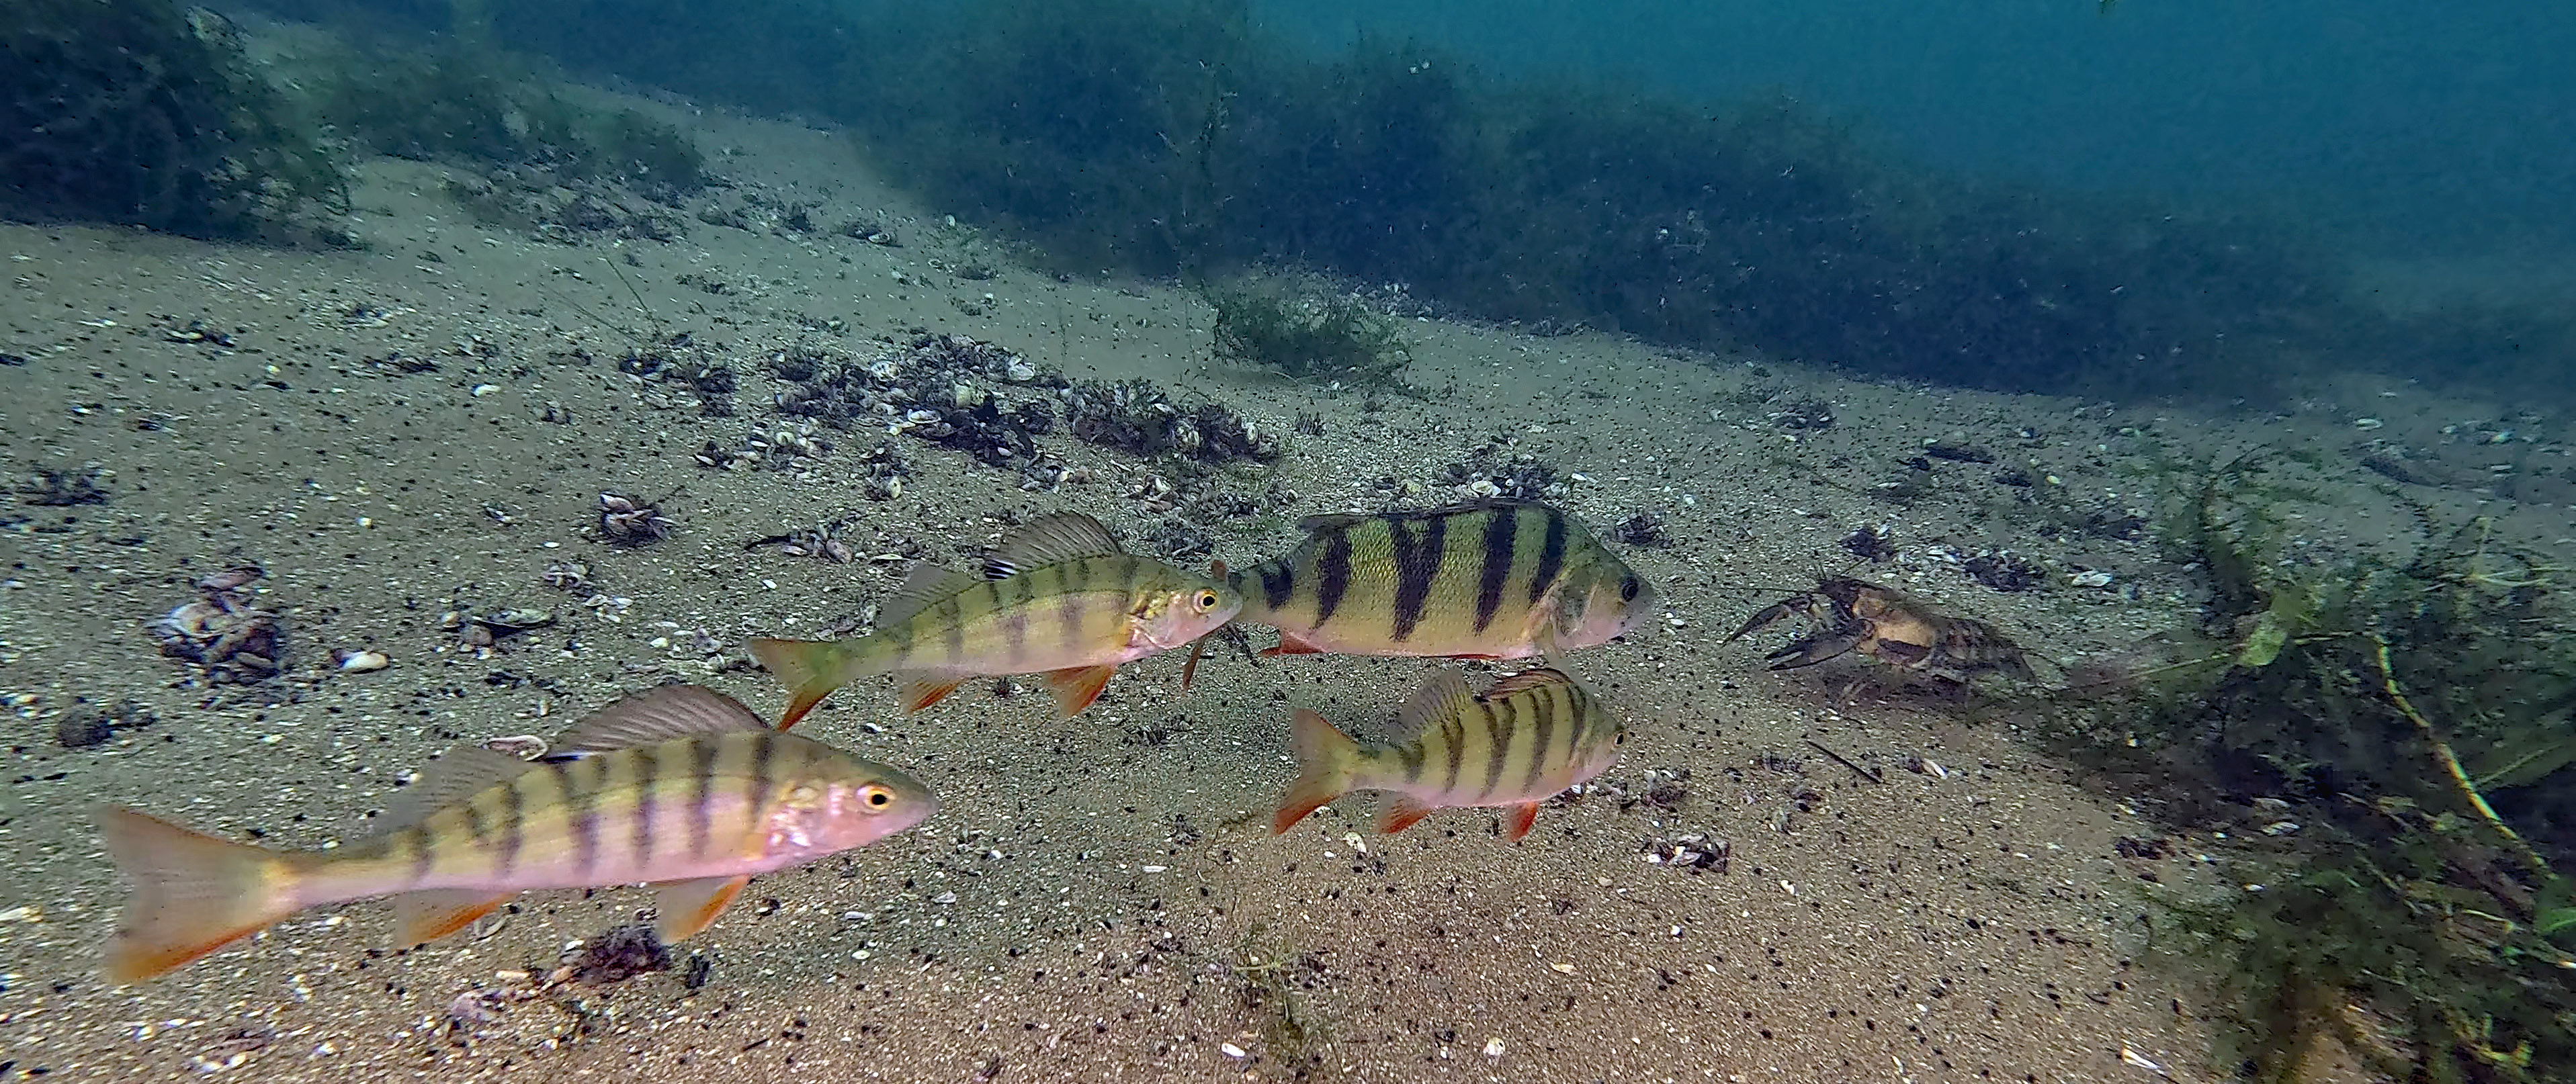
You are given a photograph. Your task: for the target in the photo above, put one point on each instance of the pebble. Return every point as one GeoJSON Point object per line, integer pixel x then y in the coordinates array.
{"type": "Point", "coordinates": [1493, 1048]}
{"type": "Point", "coordinates": [360, 662]}
{"type": "Point", "coordinates": [1231, 1050]}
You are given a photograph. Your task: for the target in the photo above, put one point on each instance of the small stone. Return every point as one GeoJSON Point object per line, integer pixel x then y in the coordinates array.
{"type": "Point", "coordinates": [361, 662]}
{"type": "Point", "coordinates": [1493, 1047]}
{"type": "Point", "coordinates": [1232, 1051]}
{"type": "Point", "coordinates": [82, 729]}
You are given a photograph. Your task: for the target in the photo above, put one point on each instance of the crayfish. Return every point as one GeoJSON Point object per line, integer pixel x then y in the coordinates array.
{"type": "Point", "coordinates": [1846, 615]}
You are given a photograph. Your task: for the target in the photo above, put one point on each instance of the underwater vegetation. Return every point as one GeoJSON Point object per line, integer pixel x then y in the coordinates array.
{"type": "Point", "coordinates": [1171, 138]}
{"type": "Point", "coordinates": [1305, 331]}
{"type": "Point", "coordinates": [2403, 734]}
{"type": "Point", "coordinates": [136, 113]}
{"type": "Point", "coordinates": [461, 102]}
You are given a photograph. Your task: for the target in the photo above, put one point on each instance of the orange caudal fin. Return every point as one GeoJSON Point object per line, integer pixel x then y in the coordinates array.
{"type": "Point", "coordinates": [1403, 813]}
{"type": "Point", "coordinates": [1077, 686]}
{"type": "Point", "coordinates": [805, 667]}
{"type": "Point", "coordinates": [927, 689]}
{"type": "Point", "coordinates": [1518, 819]}
{"type": "Point", "coordinates": [193, 893]}
{"type": "Point", "coordinates": [1324, 758]}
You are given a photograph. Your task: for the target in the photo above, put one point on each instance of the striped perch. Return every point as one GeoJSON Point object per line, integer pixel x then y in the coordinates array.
{"type": "Point", "coordinates": [1490, 580]}
{"type": "Point", "coordinates": [680, 786]}
{"type": "Point", "coordinates": [1058, 596]}
{"type": "Point", "coordinates": [1524, 741]}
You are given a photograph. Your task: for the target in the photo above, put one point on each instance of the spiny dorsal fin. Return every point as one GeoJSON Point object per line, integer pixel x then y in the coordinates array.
{"type": "Point", "coordinates": [1446, 694]}
{"type": "Point", "coordinates": [656, 716]}
{"type": "Point", "coordinates": [926, 583]}
{"type": "Point", "coordinates": [1526, 679]}
{"type": "Point", "coordinates": [461, 773]}
{"type": "Point", "coordinates": [1328, 520]}
{"type": "Point", "coordinates": [1314, 523]}
{"type": "Point", "coordinates": [1047, 540]}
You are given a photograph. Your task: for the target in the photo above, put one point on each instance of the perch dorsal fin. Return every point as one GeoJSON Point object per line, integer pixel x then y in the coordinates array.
{"type": "Point", "coordinates": [457, 774]}
{"type": "Point", "coordinates": [1446, 694]}
{"type": "Point", "coordinates": [1047, 540]}
{"type": "Point", "coordinates": [926, 583]}
{"type": "Point", "coordinates": [1527, 679]}
{"type": "Point", "coordinates": [655, 716]}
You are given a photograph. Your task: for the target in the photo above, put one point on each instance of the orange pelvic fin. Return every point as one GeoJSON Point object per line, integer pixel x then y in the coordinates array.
{"type": "Point", "coordinates": [423, 917]}
{"type": "Point", "coordinates": [1403, 813]}
{"type": "Point", "coordinates": [1289, 644]}
{"type": "Point", "coordinates": [927, 689]}
{"type": "Point", "coordinates": [1518, 819]}
{"type": "Point", "coordinates": [689, 906]}
{"type": "Point", "coordinates": [1077, 686]}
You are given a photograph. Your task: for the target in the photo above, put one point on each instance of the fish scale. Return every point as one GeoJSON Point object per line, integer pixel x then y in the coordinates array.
{"type": "Point", "coordinates": [1494, 579]}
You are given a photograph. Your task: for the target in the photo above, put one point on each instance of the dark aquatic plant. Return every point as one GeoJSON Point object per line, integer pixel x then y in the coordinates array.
{"type": "Point", "coordinates": [2410, 726]}
{"type": "Point", "coordinates": [465, 102]}
{"type": "Point", "coordinates": [134, 112]}
{"type": "Point", "coordinates": [1306, 331]}
{"type": "Point", "coordinates": [1172, 137]}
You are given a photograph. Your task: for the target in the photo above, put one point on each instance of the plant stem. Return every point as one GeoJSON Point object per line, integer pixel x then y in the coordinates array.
{"type": "Point", "coordinates": [2451, 761]}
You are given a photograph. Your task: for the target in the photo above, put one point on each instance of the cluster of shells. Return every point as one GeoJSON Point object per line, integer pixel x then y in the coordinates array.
{"type": "Point", "coordinates": [909, 390]}
{"type": "Point", "coordinates": [566, 576]}
{"type": "Point", "coordinates": [1488, 474]}
{"type": "Point", "coordinates": [1046, 473]}
{"type": "Point", "coordinates": [221, 631]}
{"type": "Point", "coordinates": [784, 449]}
{"type": "Point", "coordinates": [822, 543]}
{"type": "Point", "coordinates": [1137, 416]}
{"type": "Point", "coordinates": [631, 521]}
{"type": "Point", "coordinates": [1692, 852]}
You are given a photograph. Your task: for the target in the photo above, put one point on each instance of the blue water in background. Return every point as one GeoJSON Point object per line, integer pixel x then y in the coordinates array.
{"type": "Point", "coordinates": [2407, 128]}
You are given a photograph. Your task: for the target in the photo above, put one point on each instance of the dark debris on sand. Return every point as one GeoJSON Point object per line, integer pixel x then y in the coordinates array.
{"type": "Point", "coordinates": [63, 488]}
{"type": "Point", "coordinates": [1874, 543]}
{"type": "Point", "coordinates": [618, 955]}
{"type": "Point", "coordinates": [2004, 571]}
{"type": "Point", "coordinates": [1643, 529]}
{"type": "Point", "coordinates": [89, 725]}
